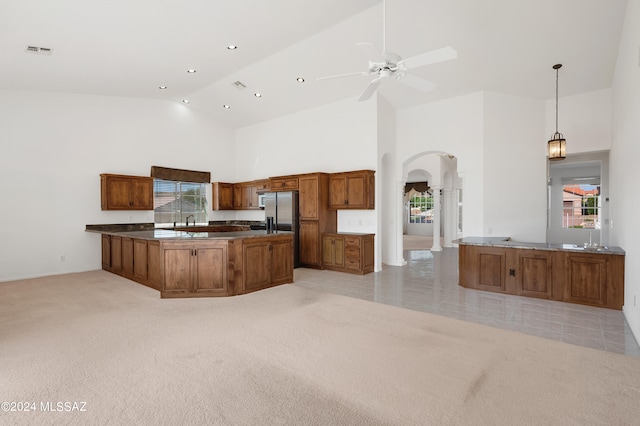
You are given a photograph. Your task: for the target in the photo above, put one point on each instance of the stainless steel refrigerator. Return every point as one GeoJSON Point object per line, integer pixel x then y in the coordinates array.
{"type": "Point", "coordinates": [283, 208]}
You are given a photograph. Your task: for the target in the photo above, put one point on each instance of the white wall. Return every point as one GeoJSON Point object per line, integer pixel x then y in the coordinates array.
{"type": "Point", "coordinates": [583, 119]}
{"type": "Point", "coordinates": [454, 126]}
{"type": "Point", "coordinates": [336, 137]}
{"type": "Point", "coordinates": [332, 138]}
{"type": "Point", "coordinates": [515, 197]}
{"type": "Point", "coordinates": [54, 147]}
{"type": "Point", "coordinates": [623, 160]}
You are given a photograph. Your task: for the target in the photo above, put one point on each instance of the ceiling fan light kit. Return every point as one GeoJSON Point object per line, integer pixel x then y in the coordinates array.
{"type": "Point", "coordinates": [384, 65]}
{"type": "Point", "coordinates": [557, 145]}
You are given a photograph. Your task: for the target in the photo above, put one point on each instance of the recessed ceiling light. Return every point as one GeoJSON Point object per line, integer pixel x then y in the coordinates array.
{"type": "Point", "coordinates": [185, 101]}
{"type": "Point", "coordinates": [162, 87]}
{"type": "Point", "coordinates": [191, 71]}
{"type": "Point", "coordinates": [257, 95]}
{"type": "Point", "coordinates": [300, 80]}
{"type": "Point", "coordinates": [225, 106]}
{"type": "Point", "coordinates": [232, 47]}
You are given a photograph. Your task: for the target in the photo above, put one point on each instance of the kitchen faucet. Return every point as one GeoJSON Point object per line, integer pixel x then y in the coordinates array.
{"type": "Point", "coordinates": [187, 221]}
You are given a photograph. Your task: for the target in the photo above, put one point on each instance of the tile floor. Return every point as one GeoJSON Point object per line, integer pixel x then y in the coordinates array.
{"type": "Point", "coordinates": [429, 283]}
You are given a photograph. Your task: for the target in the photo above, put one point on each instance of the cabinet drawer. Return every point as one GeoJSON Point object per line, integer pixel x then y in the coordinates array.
{"type": "Point", "coordinates": [352, 242]}
{"type": "Point", "coordinates": [352, 263]}
{"type": "Point", "coordinates": [353, 252]}
{"type": "Point", "coordinates": [284, 184]}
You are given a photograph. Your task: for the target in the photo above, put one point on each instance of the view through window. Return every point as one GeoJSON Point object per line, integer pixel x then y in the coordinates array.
{"type": "Point", "coordinates": [581, 206]}
{"type": "Point", "coordinates": [175, 202]}
{"type": "Point", "coordinates": [421, 208]}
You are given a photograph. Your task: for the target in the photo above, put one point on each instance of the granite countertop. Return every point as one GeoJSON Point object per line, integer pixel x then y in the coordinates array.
{"type": "Point", "coordinates": [167, 234]}
{"type": "Point", "coordinates": [509, 243]}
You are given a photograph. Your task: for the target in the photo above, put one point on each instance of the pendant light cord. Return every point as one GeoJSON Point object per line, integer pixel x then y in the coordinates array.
{"type": "Point", "coordinates": [557, 70]}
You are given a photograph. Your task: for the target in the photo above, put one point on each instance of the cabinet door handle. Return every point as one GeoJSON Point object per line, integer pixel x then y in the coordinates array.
{"type": "Point", "coordinates": [512, 272]}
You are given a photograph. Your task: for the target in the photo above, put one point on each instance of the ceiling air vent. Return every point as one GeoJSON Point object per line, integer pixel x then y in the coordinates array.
{"type": "Point", "coordinates": [239, 85]}
{"type": "Point", "coordinates": [38, 50]}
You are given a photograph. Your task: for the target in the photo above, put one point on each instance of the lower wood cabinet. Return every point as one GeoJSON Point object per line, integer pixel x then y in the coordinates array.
{"type": "Point", "coordinates": [195, 268]}
{"type": "Point", "coordinates": [205, 267]}
{"type": "Point", "coordinates": [112, 253]}
{"type": "Point", "coordinates": [333, 251]}
{"type": "Point", "coordinates": [266, 263]}
{"type": "Point", "coordinates": [595, 279]}
{"type": "Point", "coordinates": [353, 253]}
{"type": "Point", "coordinates": [127, 257]}
{"type": "Point", "coordinates": [310, 244]}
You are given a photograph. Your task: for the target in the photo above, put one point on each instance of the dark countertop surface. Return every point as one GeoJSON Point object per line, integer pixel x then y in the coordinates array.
{"type": "Point", "coordinates": [508, 243]}
{"type": "Point", "coordinates": [167, 234]}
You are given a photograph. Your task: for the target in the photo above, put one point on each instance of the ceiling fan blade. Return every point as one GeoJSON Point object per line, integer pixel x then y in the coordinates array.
{"type": "Point", "coordinates": [439, 55]}
{"type": "Point", "coordinates": [362, 73]}
{"type": "Point", "coordinates": [370, 90]}
{"type": "Point", "coordinates": [371, 52]}
{"type": "Point", "coordinates": [417, 83]}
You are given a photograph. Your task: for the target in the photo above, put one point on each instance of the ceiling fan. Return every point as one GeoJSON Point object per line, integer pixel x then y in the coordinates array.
{"type": "Point", "coordinates": [384, 65]}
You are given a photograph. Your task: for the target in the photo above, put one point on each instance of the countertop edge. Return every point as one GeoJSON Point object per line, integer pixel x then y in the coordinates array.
{"type": "Point", "coordinates": [506, 242]}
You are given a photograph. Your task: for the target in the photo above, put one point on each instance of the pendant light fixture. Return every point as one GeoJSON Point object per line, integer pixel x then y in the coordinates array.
{"type": "Point", "coordinates": [557, 145]}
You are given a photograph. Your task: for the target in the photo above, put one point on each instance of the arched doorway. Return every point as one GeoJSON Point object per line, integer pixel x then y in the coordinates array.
{"type": "Point", "coordinates": [431, 194]}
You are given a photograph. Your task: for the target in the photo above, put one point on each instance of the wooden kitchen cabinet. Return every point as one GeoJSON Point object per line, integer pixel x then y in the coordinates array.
{"type": "Point", "coordinates": [112, 253]}
{"type": "Point", "coordinates": [222, 196]}
{"type": "Point", "coordinates": [140, 260]}
{"type": "Point", "coordinates": [245, 196]}
{"type": "Point", "coordinates": [154, 262]}
{"type": "Point", "coordinates": [266, 263]}
{"type": "Point", "coordinates": [127, 257]}
{"type": "Point", "coordinates": [249, 196]}
{"type": "Point", "coordinates": [595, 279]}
{"type": "Point", "coordinates": [352, 190]}
{"type": "Point", "coordinates": [358, 253]}
{"type": "Point", "coordinates": [283, 183]}
{"type": "Point", "coordinates": [121, 192]}
{"type": "Point", "coordinates": [315, 217]}
{"type": "Point", "coordinates": [201, 267]}
{"type": "Point", "coordinates": [195, 268]}
{"type": "Point", "coordinates": [333, 251]}
{"type": "Point", "coordinates": [262, 185]}
{"type": "Point", "coordinates": [536, 273]}
{"type": "Point", "coordinates": [353, 253]}
{"type": "Point", "coordinates": [310, 250]}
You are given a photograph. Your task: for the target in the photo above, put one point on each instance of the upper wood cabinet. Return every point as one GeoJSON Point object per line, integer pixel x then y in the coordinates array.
{"type": "Point", "coordinates": [249, 196]}
{"type": "Point", "coordinates": [222, 194]}
{"type": "Point", "coordinates": [262, 185]}
{"type": "Point", "coordinates": [352, 190]}
{"type": "Point", "coordinates": [284, 183]}
{"type": "Point", "coordinates": [235, 196]}
{"type": "Point", "coordinates": [120, 192]}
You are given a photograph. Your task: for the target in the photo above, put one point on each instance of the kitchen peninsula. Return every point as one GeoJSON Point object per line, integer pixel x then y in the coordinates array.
{"type": "Point", "coordinates": [198, 262]}
{"type": "Point", "coordinates": [564, 272]}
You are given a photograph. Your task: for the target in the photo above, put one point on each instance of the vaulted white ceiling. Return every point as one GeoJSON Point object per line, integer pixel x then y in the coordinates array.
{"type": "Point", "coordinates": [131, 47]}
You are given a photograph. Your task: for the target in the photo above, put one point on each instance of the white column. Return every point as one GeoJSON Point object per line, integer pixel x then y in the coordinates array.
{"type": "Point", "coordinates": [436, 219]}
{"type": "Point", "coordinates": [448, 213]}
{"type": "Point", "coordinates": [400, 222]}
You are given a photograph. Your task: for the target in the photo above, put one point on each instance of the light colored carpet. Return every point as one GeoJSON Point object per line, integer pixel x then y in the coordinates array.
{"type": "Point", "coordinates": [286, 355]}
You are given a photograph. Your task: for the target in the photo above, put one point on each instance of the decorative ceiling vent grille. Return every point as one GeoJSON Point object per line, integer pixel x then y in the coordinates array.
{"type": "Point", "coordinates": [38, 50]}
{"type": "Point", "coordinates": [239, 85]}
